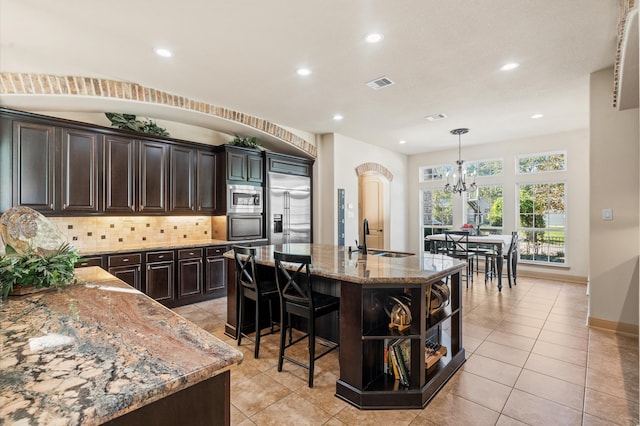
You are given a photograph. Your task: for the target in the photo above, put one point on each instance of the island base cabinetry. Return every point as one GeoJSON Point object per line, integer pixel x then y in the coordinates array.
{"type": "Point", "coordinates": [369, 348]}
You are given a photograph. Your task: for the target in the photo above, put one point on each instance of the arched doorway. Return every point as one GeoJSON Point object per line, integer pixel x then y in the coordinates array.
{"type": "Point", "coordinates": [373, 204]}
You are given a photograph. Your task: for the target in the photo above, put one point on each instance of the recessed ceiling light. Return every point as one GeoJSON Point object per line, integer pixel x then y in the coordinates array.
{"type": "Point", "coordinates": [337, 117]}
{"type": "Point", "coordinates": [510, 66]}
{"type": "Point", "coordinates": [304, 72]}
{"type": "Point", "coordinates": [374, 38]}
{"type": "Point", "coordinates": [402, 142]}
{"type": "Point", "coordinates": [165, 53]}
{"type": "Point", "coordinates": [436, 117]}
{"type": "Point", "coordinates": [537, 116]}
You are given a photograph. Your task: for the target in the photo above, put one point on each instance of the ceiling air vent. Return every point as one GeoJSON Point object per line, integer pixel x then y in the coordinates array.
{"type": "Point", "coordinates": [379, 83]}
{"type": "Point", "coordinates": [436, 117]}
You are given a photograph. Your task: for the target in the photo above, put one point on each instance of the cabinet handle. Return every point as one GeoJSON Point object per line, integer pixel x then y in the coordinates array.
{"type": "Point", "coordinates": [191, 254]}
{"type": "Point", "coordinates": [84, 263]}
{"type": "Point", "coordinates": [125, 259]}
{"type": "Point", "coordinates": [161, 256]}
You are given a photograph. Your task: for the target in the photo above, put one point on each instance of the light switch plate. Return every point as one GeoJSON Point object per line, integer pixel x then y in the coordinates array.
{"type": "Point", "coordinates": [607, 214]}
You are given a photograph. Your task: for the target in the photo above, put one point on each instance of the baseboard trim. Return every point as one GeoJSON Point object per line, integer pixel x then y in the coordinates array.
{"type": "Point", "coordinates": [576, 279]}
{"type": "Point", "coordinates": [618, 327]}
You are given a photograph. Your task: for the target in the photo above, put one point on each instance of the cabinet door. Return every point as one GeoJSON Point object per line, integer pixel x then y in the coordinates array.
{"type": "Point", "coordinates": [130, 274]}
{"type": "Point", "coordinates": [216, 271]}
{"type": "Point", "coordinates": [189, 277]}
{"type": "Point", "coordinates": [33, 166]}
{"type": "Point", "coordinates": [236, 166]}
{"type": "Point", "coordinates": [119, 175]}
{"type": "Point", "coordinates": [182, 180]}
{"type": "Point", "coordinates": [206, 184]}
{"type": "Point", "coordinates": [254, 168]}
{"type": "Point", "coordinates": [159, 281]}
{"type": "Point", "coordinates": [152, 177]}
{"type": "Point", "coordinates": [80, 171]}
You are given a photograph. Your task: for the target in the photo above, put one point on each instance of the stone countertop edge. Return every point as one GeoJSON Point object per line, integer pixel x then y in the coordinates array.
{"type": "Point", "coordinates": [151, 246]}
{"type": "Point", "coordinates": [95, 350]}
{"type": "Point", "coordinates": [336, 263]}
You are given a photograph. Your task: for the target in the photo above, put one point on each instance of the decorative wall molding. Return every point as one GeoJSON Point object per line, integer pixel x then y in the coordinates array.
{"type": "Point", "coordinates": [625, 8]}
{"type": "Point", "coordinates": [374, 167]}
{"type": "Point", "coordinates": [47, 84]}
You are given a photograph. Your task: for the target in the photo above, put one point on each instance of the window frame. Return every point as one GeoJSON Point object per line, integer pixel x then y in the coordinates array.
{"type": "Point", "coordinates": [540, 154]}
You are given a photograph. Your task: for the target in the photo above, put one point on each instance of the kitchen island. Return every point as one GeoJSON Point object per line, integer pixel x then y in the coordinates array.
{"type": "Point", "coordinates": [365, 283]}
{"type": "Point", "coordinates": [99, 351]}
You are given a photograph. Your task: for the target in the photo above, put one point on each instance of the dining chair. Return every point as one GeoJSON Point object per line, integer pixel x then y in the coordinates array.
{"type": "Point", "coordinates": [250, 287]}
{"type": "Point", "coordinates": [510, 257]}
{"type": "Point", "coordinates": [297, 298]}
{"type": "Point", "coordinates": [457, 246]}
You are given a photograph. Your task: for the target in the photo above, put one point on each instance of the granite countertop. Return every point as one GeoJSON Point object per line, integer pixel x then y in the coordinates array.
{"type": "Point", "coordinates": [96, 350]}
{"type": "Point", "coordinates": [149, 245]}
{"type": "Point", "coordinates": [337, 263]}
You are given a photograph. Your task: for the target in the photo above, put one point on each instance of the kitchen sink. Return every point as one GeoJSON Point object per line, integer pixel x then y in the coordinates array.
{"type": "Point", "coordinates": [388, 253]}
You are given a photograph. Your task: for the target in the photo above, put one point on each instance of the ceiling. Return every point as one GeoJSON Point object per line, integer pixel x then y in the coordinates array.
{"type": "Point", "coordinates": [444, 57]}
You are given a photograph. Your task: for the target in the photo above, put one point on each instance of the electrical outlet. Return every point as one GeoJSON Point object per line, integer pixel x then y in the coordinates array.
{"type": "Point", "coordinates": [607, 214]}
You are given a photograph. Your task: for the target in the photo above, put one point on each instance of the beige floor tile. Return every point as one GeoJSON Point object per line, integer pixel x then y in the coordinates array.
{"type": "Point", "coordinates": [556, 368]}
{"type": "Point", "coordinates": [550, 388]}
{"type": "Point", "coordinates": [527, 312]}
{"type": "Point", "coordinates": [567, 320]}
{"type": "Point", "coordinates": [511, 340]}
{"type": "Point", "coordinates": [509, 421]}
{"type": "Point", "coordinates": [473, 330]}
{"type": "Point", "coordinates": [589, 420]}
{"type": "Point", "coordinates": [534, 410]}
{"type": "Point", "coordinates": [562, 339]}
{"type": "Point", "coordinates": [449, 409]}
{"type": "Point", "coordinates": [236, 416]}
{"type": "Point", "coordinates": [322, 393]}
{"type": "Point", "coordinates": [572, 330]}
{"type": "Point", "coordinates": [256, 394]}
{"type": "Point", "coordinates": [492, 369]}
{"type": "Point", "coordinates": [485, 392]}
{"type": "Point", "coordinates": [618, 410]}
{"type": "Point", "coordinates": [291, 410]}
{"type": "Point", "coordinates": [353, 416]}
{"type": "Point", "coordinates": [563, 353]}
{"type": "Point", "coordinates": [524, 320]}
{"type": "Point", "coordinates": [503, 353]}
{"type": "Point", "coordinates": [619, 386]}
{"type": "Point", "coordinates": [470, 343]}
{"type": "Point", "coordinates": [519, 329]}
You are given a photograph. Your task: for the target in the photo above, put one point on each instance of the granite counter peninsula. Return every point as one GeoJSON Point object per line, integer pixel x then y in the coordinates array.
{"type": "Point", "coordinates": [364, 283]}
{"type": "Point", "coordinates": [100, 351]}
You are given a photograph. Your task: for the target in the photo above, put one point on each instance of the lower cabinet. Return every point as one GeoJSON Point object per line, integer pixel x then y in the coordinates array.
{"type": "Point", "coordinates": [159, 277]}
{"type": "Point", "coordinates": [127, 267]}
{"type": "Point", "coordinates": [190, 276]}
{"type": "Point", "coordinates": [215, 271]}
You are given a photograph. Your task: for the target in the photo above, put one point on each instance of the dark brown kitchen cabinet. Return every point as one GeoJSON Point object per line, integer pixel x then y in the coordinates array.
{"type": "Point", "coordinates": [244, 165]}
{"type": "Point", "coordinates": [34, 177]}
{"type": "Point", "coordinates": [81, 152]}
{"type": "Point", "coordinates": [152, 177]}
{"type": "Point", "coordinates": [119, 175]}
{"type": "Point", "coordinates": [159, 276]}
{"type": "Point", "coordinates": [127, 267]}
{"type": "Point", "coordinates": [182, 199]}
{"type": "Point", "coordinates": [216, 271]}
{"type": "Point", "coordinates": [190, 272]}
{"type": "Point", "coordinates": [206, 182]}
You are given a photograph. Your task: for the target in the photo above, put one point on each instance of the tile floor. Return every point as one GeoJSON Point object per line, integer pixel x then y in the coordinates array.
{"type": "Point", "coordinates": [530, 360]}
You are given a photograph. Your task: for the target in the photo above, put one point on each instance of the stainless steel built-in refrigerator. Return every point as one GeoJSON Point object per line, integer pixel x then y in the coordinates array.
{"type": "Point", "coordinates": [289, 215]}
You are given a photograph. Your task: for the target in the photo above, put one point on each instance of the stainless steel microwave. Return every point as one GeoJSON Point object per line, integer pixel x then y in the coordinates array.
{"type": "Point", "coordinates": [244, 199]}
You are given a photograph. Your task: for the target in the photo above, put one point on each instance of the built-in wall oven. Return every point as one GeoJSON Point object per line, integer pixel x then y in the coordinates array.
{"type": "Point", "coordinates": [244, 226]}
{"type": "Point", "coordinates": [244, 199]}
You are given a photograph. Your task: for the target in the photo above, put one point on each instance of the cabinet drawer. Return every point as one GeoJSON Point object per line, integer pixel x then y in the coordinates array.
{"type": "Point", "coordinates": [125, 259]}
{"type": "Point", "coordinates": [159, 256]}
{"type": "Point", "coordinates": [89, 261]}
{"type": "Point", "coordinates": [216, 251]}
{"type": "Point", "coordinates": [189, 253]}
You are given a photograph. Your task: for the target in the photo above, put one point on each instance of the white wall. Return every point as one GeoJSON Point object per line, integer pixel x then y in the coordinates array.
{"type": "Point", "coordinates": [576, 146]}
{"type": "Point", "coordinates": [614, 246]}
{"type": "Point", "coordinates": [338, 157]}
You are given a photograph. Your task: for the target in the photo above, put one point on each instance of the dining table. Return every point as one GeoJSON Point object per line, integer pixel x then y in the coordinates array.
{"type": "Point", "coordinates": [498, 242]}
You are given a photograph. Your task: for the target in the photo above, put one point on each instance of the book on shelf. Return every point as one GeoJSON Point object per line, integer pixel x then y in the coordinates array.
{"type": "Point", "coordinates": [400, 351]}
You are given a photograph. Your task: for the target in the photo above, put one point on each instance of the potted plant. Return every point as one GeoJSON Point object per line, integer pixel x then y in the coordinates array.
{"type": "Point", "coordinates": [246, 142]}
{"type": "Point", "coordinates": [37, 269]}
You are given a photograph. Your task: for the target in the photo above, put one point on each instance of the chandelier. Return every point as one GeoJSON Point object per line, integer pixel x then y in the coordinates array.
{"type": "Point", "coordinates": [459, 180]}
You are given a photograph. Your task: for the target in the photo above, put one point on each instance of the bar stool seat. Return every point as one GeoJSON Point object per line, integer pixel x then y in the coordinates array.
{"type": "Point", "coordinates": [250, 287]}
{"type": "Point", "coordinates": [297, 298]}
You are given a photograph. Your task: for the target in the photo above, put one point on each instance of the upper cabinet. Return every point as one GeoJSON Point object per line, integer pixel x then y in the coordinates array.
{"type": "Point", "coordinates": [244, 165]}
{"type": "Point", "coordinates": [58, 167]}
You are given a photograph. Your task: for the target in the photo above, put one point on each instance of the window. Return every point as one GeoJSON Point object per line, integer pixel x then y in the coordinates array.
{"type": "Point", "coordinates": [484, 168]}
{"type": "Point", "coordinates": [434, 173]}
{"type": "Point", "coordinates": [486, 209]}
{"type": "Point", "coordinates": [545, 162]}
{"type": "Point", "coordinates": [542, 223]}
{"type": "Point", "coordinates": [437, 212]}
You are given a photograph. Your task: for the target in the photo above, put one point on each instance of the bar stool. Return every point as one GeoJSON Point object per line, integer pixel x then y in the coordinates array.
{"type": "Point", "coordinates": [297, 298]}
{"type": "Point", "coordinates": [249, 287]}
{"type": "Point", "coordinates": [511, 257]}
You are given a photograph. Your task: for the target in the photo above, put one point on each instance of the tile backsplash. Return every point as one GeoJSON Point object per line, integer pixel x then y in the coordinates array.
{"type": "Point", "coordinates": [112, 232]}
